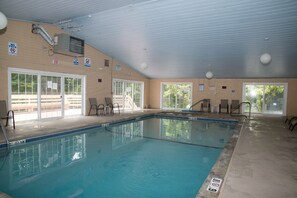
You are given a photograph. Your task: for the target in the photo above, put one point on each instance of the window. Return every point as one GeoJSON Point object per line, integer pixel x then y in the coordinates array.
{"type": "Point", "coordinates": [176, 95]}
{"type": "Point", "coordinates": [267, 98]}
{"type": "Point", "coordinates": [128, 94]}
{"type": "Point", "coordinates": [36, 95]}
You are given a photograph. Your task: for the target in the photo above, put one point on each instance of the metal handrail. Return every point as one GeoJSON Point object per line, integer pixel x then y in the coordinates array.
{"type": "Point", "coordinates": [191, 107]}
{"type": "Point", "coordinates": [4, 134]}
{"type": "Point", "coordinates": [240, 104]}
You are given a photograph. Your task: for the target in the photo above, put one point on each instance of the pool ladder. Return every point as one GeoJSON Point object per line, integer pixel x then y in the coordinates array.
{"type": "Point", "coordinates": [5, 136]}
{"type": "Point", "coordinates": [200, 101]}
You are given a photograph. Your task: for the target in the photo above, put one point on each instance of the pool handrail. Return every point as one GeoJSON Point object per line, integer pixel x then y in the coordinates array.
{"type": "Point", "coordinates": [239, 106]}
{"type": "Point", "coordinates": [191, 107]}
{"type": "Point", "coordinates": [4, 134]}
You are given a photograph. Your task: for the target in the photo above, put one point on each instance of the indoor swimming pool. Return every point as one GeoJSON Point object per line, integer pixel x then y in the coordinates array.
{"type": "Point", "coordinates": [147, 157]}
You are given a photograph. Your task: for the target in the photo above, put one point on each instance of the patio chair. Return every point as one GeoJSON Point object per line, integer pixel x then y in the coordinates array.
{"type": "Point", "coordinates": [205, 104]}
{"type": "Point", "coordinates": [293, 123]}
{"type": "Point", "coordinates": [94, 105]}
{"type": "Point", "coordinates": [235, 105]}
{"type": "Point", "coordinates": [6, 114]}
{"type": "Point", "coordinates": [224, 105]}
{"type": "Point", "coordinates": [112, 105]}
{"type": "Point", "coordinates": [289, 119]}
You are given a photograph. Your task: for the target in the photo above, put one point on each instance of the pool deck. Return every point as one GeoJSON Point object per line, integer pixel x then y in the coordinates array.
{"type": "Point", "coordinates": [264, 162]}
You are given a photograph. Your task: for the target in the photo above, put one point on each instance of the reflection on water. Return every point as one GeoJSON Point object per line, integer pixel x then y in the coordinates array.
{"type": "Point", "coordinates": [175, 130]}
{"type": "Point", "coordinates": [197, 132]}
{"type": "Point", "coordinates": [201, 132]}
{"type": "Point", "coordinates": [126, 133]}
{"type": "Point", "coordinates": [34, 159]}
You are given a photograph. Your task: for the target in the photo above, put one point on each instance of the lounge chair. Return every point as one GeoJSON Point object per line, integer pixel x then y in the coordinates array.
{"type": "Point", "coordinates": [112, 105]}
{"type": "Point", "coordinates": [205, 104]}
{"type": "Point", "coordinates": [224, 105]}
{"type": "Point", "coordinates": [289, 119]}
{"type": "Point", "coordinates": [94, 105]}
{"type": "Point", "coordinates": [234, 105]}
{"type": "Point", "coordinates": [6, 114]}
{"type": "Point", "coordinates": [293, 123]}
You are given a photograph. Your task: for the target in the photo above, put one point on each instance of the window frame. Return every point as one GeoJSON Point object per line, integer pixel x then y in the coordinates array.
{"type": "Point", "coordinates": [175, 83]}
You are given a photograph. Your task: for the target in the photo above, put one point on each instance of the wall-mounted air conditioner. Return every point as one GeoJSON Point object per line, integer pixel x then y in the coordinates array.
{"type": "Point", "coordinates": [68, 45]}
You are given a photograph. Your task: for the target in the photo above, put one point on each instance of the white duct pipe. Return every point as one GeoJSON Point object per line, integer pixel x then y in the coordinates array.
{"type": "Point", "coordinates": [37, 29]}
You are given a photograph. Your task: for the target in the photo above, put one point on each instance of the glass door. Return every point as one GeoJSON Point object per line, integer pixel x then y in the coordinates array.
{"type": "Point", "coordinates": [24, 96]}
{"type": "Point", "coordinates": [72, 96]}
{"type": "Point", "coordinates": [128, 97]}
{"type": "Point", "coordinates": [118, 93]}
{"type": "Point", "coordinates": [137, 96]}
{"type": "Point", "coordinates": [51, 97]}
{"type": "Point", "coordinates": [36, 95]}
{"type": "Point", "coordinates": [128, 94]}
{"type": "Point", "coordinates": [266, 98]}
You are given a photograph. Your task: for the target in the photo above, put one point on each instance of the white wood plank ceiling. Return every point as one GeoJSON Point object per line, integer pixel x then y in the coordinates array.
{"type": "Point", "coordinates": [179, 38]}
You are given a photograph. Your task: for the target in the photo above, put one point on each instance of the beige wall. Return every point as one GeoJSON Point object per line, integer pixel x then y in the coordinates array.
{"type": "Point", "coordinates": [34, 53]}
{"type": "Point", "coordinates": [213, 90]}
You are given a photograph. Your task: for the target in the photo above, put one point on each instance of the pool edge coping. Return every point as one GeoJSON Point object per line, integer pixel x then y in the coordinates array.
{"type": "Point", "coordinates": [221, 166]}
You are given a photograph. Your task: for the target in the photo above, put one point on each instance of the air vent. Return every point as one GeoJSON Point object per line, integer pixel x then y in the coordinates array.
{"type": "Point", "coordinates": [68, 45]}
{"type": "Point", "coordinates": [106, 63]}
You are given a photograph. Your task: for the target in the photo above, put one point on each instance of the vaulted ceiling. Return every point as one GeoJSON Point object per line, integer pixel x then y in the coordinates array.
{"type": "Point", "coordinates": [179, 38]}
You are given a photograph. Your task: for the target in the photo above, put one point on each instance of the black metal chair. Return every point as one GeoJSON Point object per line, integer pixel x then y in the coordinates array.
{"type": "Point", "coordinates": [289, 119]}
{"type": "Point", "coordinates": [293, 123]}
{"type": "Point", "coordinates": [98, 107]}
{"type": "Point", "coordinates": [205, 104]}
{"type": "Point", "coordinates": [112, 105]}
{"type": "Point", "coordinates": [6, 114]}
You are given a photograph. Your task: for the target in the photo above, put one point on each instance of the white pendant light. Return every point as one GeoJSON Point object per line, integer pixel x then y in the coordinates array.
{"type": "Point", "coordinates": [265, 58]}
{"type": "Point", "coordinates": [3, 21]}
{"type": "Point", "coordinates": [209, 75]}
{"type": "Point", "coordinates": [143, 66]}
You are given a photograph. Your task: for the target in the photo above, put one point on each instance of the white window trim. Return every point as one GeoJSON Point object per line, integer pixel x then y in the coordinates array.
{"type": "Point", "coordinates": [130, 81]}
{"type": "Point", "coordinates": [39, 73]}
{"type": "Point", "coordinates": [174, 83]}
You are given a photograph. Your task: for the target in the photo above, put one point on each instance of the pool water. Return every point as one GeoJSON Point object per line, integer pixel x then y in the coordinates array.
{"type": "Point", "coordinates": [154, 157]}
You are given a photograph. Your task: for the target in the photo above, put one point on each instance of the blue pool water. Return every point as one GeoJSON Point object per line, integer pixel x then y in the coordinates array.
{"type": "Point", "coordinates": [154, 157]}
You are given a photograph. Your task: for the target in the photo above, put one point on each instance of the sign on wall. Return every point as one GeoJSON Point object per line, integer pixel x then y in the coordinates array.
{"type": "Point", "coordinates": [12, 48]}
{"type": "Point", "coordinates": [87, 62]}
{"type": "Point", "coordinates": [75, 60]}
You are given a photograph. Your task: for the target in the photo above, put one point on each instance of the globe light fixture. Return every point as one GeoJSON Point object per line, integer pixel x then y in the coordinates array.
{"type": "Point", "coordinates": [3, 21]}
{"type": "Point", "coordinates": [265, 58]}
{"type": "Point", "coordinates": [209, 75]}
{"type": "Point", "coordinates": [143, 66]}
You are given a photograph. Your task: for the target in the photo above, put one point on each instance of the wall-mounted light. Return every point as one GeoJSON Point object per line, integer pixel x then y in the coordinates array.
{"type": "Point", "coordinates": [3, 21]}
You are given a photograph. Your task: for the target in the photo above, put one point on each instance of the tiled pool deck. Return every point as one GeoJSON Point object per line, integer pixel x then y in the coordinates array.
{"type": "Point", "coordinates": [263, 164]}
